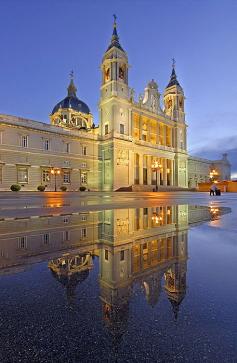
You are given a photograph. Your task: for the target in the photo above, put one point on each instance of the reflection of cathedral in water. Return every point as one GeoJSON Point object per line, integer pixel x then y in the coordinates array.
{"type": "Point", "coordinates": [144, 247]}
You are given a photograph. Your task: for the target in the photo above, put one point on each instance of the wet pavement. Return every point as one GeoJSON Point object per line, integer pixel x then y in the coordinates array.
{"type": "Point", "coordinates": [148, 278]}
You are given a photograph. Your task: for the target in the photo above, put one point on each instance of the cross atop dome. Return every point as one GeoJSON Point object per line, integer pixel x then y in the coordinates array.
{"type": "Point", "coordinates": [72, 90]}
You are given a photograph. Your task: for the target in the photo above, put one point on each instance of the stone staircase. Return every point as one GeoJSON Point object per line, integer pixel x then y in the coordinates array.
{"type": "Point", "coordinates": [150, 188]}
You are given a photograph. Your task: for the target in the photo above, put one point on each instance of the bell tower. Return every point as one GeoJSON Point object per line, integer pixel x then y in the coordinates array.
{"type": "Point", "coordinates": [114, 91]}
{"type": "Point", "coordinates": [174, 98]}
{"type": "Point", "coordinates": [115, 109]}
{"type": "Point", "coordinates": [174, 108]}
{"type": "Point", "coordinates": [114, 68]}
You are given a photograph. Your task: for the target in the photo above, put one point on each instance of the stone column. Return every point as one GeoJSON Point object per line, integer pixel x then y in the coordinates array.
{"type": "Point", "coordinates": [140, 127]}
{"type": "Point", "coordinates": [148, 170]}
{"type": "Point", "coordinates": [165, 171]}
{"type": "Point", "coordinates": [171, 173]}
{"type": "Point", "coordinates": [174, 173]}
{"type": "Point", "coordinates": [149, 131]}
{"type": "Point", "coordinates": [140, 169]}
{"type": "Point", "coordinates": [130, 123]}
{"type": "Point", "coordinates": [131, 166]}
{"type": "Point", "coordinates": [157, 133]}
{"type": "Point", "coordinates": [165, 135]}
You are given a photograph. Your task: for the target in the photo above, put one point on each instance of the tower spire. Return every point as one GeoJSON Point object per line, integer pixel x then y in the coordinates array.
{"type": "Point", "coordinates": [173, 78]}
{"type": "Point", "coordinates": [72, 90]}
{"type": "Point", "coordinates": [115, 38]}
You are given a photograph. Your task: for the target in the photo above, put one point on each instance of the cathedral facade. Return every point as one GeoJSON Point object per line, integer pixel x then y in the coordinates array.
{"type": "Point", "coordinates": [139, 145]}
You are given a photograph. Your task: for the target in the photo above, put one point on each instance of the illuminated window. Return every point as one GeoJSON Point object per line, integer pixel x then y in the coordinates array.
{"type": "Point", "coordinates": [46, 238]}
{"type": "Point", "coordinates": [122, 129]}
{"type": "Point", "coordinates": [106, 129]}
{"type": "Point", "coordinates": [83, 178]}
{"type": "Point", "coordinates": [45, 176]}
{"type": "Point", "coordinates": [22, 175]}
{"type": "Point", "coordinates": [22, 242]}
{"type": "Point", "coordinates": [24, 141]}
{"type": "Point", "coordinates": [84, 150]}
{"type": "Point", "coordinates": [66, 176]}
{"type": "Point", "coordinates": [106, 255]}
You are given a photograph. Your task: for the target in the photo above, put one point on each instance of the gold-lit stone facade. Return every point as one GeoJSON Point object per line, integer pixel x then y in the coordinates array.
{"type": "Point", "coordinates": [138, 144]}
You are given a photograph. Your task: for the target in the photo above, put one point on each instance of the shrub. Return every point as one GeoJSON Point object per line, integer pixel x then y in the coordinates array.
{"type": "Point", "coordinates": [82, 189]}
{"type": "Point", "coordinates": [63, 188]}
{"type": "Point", "coordinates": [41, 188]}
{"type": "Point", "coordinates": [15, 187]}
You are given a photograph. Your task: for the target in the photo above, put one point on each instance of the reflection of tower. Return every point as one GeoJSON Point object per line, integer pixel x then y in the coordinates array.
{"type": "Point", "coordinates": [152, 286]}
{"type": "Point", "coordinates": [71, 270]}
{"type": "Point", "coordinates": [115, 288]}
{"type": "Point", "coordinates": [115, 311]}
{"type": "Point", "coordinates": [175, 276]}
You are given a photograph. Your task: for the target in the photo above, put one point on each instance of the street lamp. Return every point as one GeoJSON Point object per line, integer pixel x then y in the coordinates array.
{"type": "Point", "coordinates": [157, 218]}
{"type": "Point", "coordinates": [55, 172]}
{"type": "Point", "coordinates": [155, 167]}
{"type": "Point", "coordinates": [213, 174]}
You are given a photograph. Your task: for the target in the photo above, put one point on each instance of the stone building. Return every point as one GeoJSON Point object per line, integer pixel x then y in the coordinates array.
{"type": "Point", "coordinates": [139, 144]}
{"type": "Point", "coordinates": [204, 170]}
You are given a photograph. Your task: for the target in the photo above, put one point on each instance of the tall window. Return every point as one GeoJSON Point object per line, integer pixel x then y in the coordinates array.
{"type": "Point", "coordinates": [67, 147]}
{"type": "Point", "coordinates": [66, 176]}
{"type": "Point", "coordinates": [22, 175]}
{"type": "Point", "coordinates": [83, 233]}
{"type": "Point", "coordinates": [83, 178]}
{"type": "Point", "coordinates": [22, 242]}
{"type": "Point", "coordinates": [106, 129]}
{"type": "Point", "coordinates": [45, 176]}
{"type": "Point", "coordinates": [122, 129]}
{"type": "Point", "coordinates": [0, 174]}
{"type": "Point", "coordinates": [84, 150]}
{"type": "Point", "coordinates": [24, 141]}
{"type": "Point", "coordinates": [46, 144]}
{"type": "Point", "coordinates": [122, 255]}
{"type": "Point", "coordinates": [46, 238]}
{"type": "Point", "coordinates": [106, 255]}
{"type": "Point", "coordinates": [66, 236]}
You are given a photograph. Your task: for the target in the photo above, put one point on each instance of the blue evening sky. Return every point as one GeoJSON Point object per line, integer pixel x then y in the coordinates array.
{"type": "Point", "coordinates": [41, 41]}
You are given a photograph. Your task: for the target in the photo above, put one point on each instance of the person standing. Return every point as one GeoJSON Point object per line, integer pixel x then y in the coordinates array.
{"type": "Point", "coordinates": [213, 189]}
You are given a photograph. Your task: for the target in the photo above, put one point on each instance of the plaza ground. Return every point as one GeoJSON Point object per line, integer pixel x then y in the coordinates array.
{"type": "Point", "coordinates": [34, 204]}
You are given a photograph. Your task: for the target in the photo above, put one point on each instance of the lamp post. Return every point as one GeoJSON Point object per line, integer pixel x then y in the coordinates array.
{"type": "Point", "coordinates": [155, 167]}
{"type": "Point", "coordinates": [213, 175]}
{"type": "Point", "coordinates": [55, 172]}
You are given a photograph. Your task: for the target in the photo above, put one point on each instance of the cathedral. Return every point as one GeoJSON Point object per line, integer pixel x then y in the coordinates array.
{"type": "Point", "coordinates": [139, 145]}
